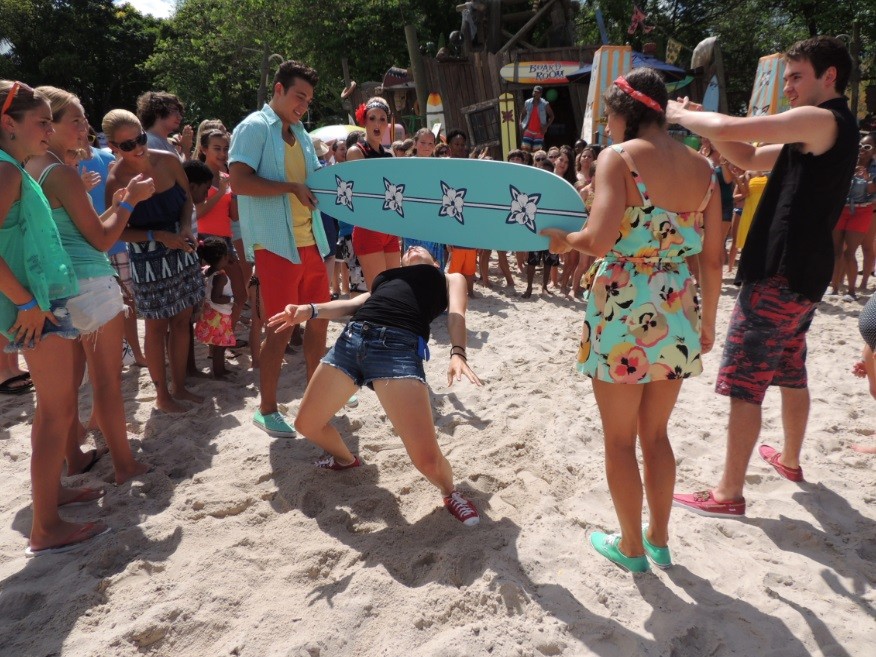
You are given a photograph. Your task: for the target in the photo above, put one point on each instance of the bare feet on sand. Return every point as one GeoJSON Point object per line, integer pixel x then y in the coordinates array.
{"type": "Point", "coordinates": [136, 469]}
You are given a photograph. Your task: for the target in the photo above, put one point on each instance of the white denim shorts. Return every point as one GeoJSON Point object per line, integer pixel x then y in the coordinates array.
{"type": "Point", "coordinates": [99, 300]}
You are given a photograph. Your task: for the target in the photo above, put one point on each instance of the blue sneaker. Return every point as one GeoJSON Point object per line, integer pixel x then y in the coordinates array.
{"type": "Point", "coordinates": [659, 556]}
{"type": "Point", "coordinates": [274, 425]}
{"type": "Point", "coordinates": [607, 546]}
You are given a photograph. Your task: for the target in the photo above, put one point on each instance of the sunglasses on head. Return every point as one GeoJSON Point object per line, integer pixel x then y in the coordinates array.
{"type": "Point", "coordinates": [10, 96]}
{"type": "Point", "coordinates": [130, 144]}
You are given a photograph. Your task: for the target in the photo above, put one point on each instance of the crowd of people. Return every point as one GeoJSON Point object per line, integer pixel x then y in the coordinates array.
{"type": "Point", "coordinates": [206, 234]}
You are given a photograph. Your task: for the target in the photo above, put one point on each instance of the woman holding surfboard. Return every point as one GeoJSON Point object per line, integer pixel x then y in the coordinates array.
{"type": "Point", "coordinates": [643, 313]}
{"type": "Point", "coordinates": [376, 251]}
{"type": "Point", "coordinates": [383, 346]}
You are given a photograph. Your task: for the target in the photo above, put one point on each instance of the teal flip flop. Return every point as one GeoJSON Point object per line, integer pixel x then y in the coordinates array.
{"type": "Point", "coordinates": [607, 546]}
{"type": "Point", "coordinates": [659, 556]}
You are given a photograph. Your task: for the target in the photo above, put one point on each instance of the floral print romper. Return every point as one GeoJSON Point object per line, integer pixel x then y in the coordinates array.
{"type": "Point", "coordinates": [642, 320]}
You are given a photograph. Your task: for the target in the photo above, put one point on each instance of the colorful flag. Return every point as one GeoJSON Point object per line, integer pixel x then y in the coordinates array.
{"type": "Point", "coordinates": [638, 19]}
{"type": "Point", "coordinates": [673, 50]}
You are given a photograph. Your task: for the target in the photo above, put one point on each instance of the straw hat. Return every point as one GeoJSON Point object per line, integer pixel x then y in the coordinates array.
{"type": "Point", "coordinates": [320, 147]}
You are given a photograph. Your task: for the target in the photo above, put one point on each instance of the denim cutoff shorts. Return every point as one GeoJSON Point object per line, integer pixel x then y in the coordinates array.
{"type": "Point", "coordinates": [63, 329]}
{"type": "Point", "coordinates": [99, 300]}
{"type": "Point", "coordinates": [366, 352]}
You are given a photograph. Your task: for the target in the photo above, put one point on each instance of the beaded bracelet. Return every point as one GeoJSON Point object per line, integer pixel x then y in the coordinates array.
{"type": "Point", "coordinates": [29, 305]}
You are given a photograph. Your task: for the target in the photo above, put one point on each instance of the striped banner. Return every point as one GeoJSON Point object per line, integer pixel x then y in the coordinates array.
{"type": "Point", "coordinates": [767, 96]}
{"type": "Point", "coordinates": [608, 63]}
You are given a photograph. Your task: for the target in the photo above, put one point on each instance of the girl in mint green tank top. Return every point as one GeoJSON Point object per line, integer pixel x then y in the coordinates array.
{"type": "Point", "coordinates": [97, 311]}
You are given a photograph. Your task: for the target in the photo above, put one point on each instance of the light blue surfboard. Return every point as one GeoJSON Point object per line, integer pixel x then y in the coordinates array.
{"type": "Point", "coordinates": [479, 204]}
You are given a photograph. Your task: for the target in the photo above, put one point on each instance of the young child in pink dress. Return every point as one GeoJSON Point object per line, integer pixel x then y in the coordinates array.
{"type": "Point", "coordinates": [214, 327]}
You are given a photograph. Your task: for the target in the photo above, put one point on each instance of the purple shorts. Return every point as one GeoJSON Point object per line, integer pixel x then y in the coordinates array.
{"type": "Point", "coordinates": [766, 341]}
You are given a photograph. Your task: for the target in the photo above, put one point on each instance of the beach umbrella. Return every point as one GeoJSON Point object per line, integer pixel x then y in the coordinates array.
{"type": "Point", "coordinates": [670, 73]}
{"type": "Point", "coordinates": [330, 133]}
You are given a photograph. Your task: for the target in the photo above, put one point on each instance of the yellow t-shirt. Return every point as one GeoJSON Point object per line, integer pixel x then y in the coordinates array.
{"type": "Point", "coordinates": [302, 218]}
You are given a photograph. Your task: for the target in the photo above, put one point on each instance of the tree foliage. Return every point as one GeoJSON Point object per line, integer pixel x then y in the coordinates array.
{"type": "Point", "coordinates": [746, 29]}
{"type": "Point", "coordinates": [92, 48]}
{"type": "Point", "coordinates": [210, 52]}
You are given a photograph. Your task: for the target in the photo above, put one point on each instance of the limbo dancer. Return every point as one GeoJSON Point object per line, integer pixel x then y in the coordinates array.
{"type": "Point", "coordinates": [383, 346]}
{"type": "Point", "coordinates": [788, 257]}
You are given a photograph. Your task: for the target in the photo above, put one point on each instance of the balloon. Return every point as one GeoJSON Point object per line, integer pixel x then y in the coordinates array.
{"type": "Point", "coordinates": [693, 141]}
{"type": "Point", "coordinates": [551, 95]}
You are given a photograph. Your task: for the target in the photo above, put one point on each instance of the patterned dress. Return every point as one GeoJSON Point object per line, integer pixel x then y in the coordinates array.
{"type": "Point", "coordinates": [642, 320]}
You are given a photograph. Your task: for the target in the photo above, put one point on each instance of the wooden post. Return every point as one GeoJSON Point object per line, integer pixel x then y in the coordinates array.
{"type": "Point", "coordinates": [263, 77]}
{"type": "Point", "coordinates": [855, 76]}
{"type": "Point", "coordinates": [417, 69]}
{"type": "Point", "coordinates": [523, 31]}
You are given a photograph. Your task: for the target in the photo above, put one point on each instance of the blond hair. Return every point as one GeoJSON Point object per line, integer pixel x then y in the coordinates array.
{"type": "Point", "coordinates": [59, 100]}
{"type": "Point", "coordinates": [116, 119]}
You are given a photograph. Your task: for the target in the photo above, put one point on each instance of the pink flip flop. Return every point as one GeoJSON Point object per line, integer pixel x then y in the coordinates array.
{"type": "Point", "coordinates": [771, 456]}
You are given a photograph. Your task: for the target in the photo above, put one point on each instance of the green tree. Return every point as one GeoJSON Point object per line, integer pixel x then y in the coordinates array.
{"type": "Point", "coordinates": [89, 47]}
{"type": "Point", "coordinates": [210, 52]}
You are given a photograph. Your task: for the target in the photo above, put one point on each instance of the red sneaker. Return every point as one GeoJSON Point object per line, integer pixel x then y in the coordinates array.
{"type": "Point", "coordinates": [771, 456]}
{"type": "Point", "coordinates": [705, 504]}
{"type": "Point", "coordinates": [461, 509]}
{"type": "Point", "coordinates": [329, 463]}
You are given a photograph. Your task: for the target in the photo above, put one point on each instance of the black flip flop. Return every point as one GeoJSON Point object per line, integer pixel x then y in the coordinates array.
{"type": "Point", "coordinates": [7, 387]}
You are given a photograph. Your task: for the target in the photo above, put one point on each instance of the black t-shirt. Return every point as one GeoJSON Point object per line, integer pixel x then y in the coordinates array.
{"type": "Point", "coordinates": [407, 298]}
{"type": "Point", "coordinates": [790, 234]}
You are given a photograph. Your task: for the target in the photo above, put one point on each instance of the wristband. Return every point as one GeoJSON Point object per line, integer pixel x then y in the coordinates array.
{"type": "Point", "coordinates": [314, 311]}
{"type": "Point", "coordinates": [150, 236]}
{"type": "Point", "coordinates": [29, 305]}
{"type": "Point", "coordinates": [127, 206]}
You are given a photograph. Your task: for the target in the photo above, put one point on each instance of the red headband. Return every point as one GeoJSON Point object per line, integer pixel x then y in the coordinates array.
{"type": "Point", "coordinates": [622, 84]}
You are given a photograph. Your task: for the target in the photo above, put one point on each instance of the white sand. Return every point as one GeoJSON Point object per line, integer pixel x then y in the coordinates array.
{"type": "Point", "coordinates": [236, 545]}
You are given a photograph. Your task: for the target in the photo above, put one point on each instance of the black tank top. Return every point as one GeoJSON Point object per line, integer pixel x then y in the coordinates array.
{"type": "Point", "coordinates": [369, 152]}
{"type": "Point", "coordinates": [406, 297]}
{"type": "Point", "coordinates": [790, 234]}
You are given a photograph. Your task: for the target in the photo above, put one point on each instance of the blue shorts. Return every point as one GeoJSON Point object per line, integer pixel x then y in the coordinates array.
{"type": "Point", "coordinates": [64, 328]}
{"type": "Point", "coordinates": [366, 352]}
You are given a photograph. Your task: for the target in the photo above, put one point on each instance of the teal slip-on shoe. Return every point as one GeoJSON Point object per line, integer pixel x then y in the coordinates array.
{"type": "Point", "coordinates": [352, 402]}
{"type": "Point", "coordinates": [273, 424]}
{"type": "Point", "coordinates": [659, 556]}
{"type": "Point", "coordinates": [607, 546]}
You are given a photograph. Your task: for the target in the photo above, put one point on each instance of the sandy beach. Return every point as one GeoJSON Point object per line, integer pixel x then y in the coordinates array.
{"type": "Point", "coordinates": [235, 545]}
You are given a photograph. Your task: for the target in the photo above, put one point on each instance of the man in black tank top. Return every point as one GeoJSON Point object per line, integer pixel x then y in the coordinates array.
{"type": "Point", "coordinates": [787, 262]}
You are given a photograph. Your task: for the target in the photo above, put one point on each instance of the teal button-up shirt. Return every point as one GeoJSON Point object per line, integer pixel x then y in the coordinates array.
{"type": "Point", "coordinates": [267, 220]}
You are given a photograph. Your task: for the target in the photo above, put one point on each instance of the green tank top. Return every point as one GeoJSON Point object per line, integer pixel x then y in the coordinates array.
{"type": "Point", "coordinates": [31, 247]}
{"type": "Point", "coordinates": [88, 262]}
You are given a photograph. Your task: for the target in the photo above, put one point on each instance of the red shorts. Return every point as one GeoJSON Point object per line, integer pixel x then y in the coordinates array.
{"type": "Point", "coordinates": [766, 341]}
{"type": "Point", "coordinates": [857, 221]}
{"type": "Point", "coordinates": [366, 242]}
{"type": "Point", "coordinates": [283, 282]}
{"type": "Point", "coordinates": [463, 261]}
